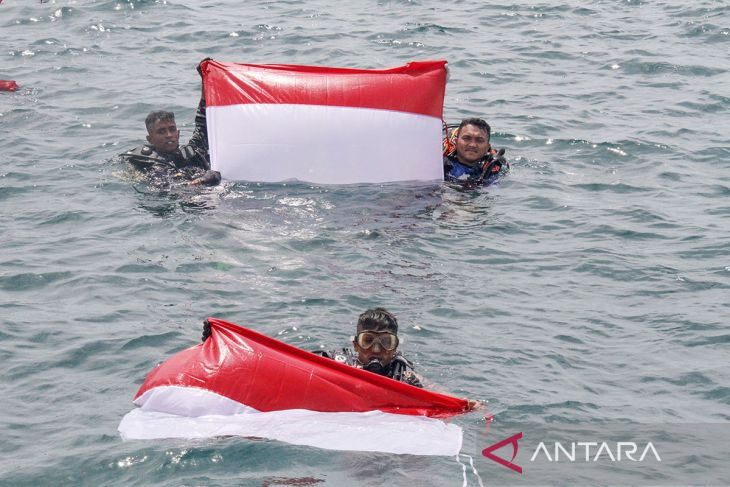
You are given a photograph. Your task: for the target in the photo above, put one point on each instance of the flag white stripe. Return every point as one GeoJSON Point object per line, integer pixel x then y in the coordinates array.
{"type": "Point", "coordinates": [323, 144]}
{"type": "Point", "coordinates": [188, 401]}
{"type": "Point", "coordinates": [369, 431]}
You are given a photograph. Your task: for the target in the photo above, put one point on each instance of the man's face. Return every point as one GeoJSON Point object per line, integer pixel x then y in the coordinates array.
{"type": "Point", "coordinates": [164, 137]}
{"type": "Point", "coordinates": [375, 340]}
{"type": "Point", "coordinates": [472, 144]}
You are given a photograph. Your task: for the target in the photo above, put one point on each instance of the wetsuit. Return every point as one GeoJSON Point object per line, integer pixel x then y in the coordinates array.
{"type": "Point", "coordinates": [400, 368]}
{"type": "Point", "coordinates": [186, 163]}
{"type": "Point", "coordinates": [485, 171]}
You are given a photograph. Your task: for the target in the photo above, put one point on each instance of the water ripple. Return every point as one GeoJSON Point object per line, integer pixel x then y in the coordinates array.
{"type": "Point", "coordinates": [590, 284]}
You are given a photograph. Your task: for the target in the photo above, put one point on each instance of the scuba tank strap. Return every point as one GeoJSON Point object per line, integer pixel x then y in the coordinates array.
{"type": "Point", "coordinates": [399, 366]}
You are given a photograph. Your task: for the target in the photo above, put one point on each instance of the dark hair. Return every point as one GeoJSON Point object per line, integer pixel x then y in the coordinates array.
{"type": "Point", "coordinates": [477, 122]}
{"type": "Point", "coordinates": [157, 116]}
{"type": "Point", "coordinates": [378, 319]}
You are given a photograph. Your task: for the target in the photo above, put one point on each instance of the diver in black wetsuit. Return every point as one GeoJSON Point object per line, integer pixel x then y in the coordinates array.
{"type": "Point", "coordinates": [375, 346]}
{"type": "Point", "coordinates": [165, 161]}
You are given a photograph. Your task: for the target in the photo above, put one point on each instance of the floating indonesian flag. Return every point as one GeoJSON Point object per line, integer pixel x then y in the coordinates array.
{"type": "Point", "coordinates": [8, 85]}
{"type": "Point", "coordinates": [239, 382]}
{"type": "Point", "coordinates": [280, 122]}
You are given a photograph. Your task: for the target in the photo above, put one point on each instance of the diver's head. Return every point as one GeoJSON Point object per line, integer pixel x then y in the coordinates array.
{"type": "Point", "coordinates": [377, 339]}
{"type": "Point", "coordinates": [162, 132]}
{"type": "Point", "coordinates": [472, 140]}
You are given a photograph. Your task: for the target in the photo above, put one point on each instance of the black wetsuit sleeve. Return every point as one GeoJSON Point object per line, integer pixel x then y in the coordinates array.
{"type": "Point", "coordinates": [210, 178]}
{"type": "Point", "coordinates": [195, 152]}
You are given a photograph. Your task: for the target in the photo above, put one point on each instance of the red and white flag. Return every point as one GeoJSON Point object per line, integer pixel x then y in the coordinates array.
{"type": "Point", "coordinates": [239, 382]}
{"type": "Point", "coordinates": [276, 122]}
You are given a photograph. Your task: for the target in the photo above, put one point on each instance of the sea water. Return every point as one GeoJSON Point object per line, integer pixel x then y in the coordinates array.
{"type": "Point", "coordinates": [591, 284]}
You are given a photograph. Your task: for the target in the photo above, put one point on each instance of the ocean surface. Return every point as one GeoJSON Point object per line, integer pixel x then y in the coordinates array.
{"type": "Point", "coordinates": [591, 285]}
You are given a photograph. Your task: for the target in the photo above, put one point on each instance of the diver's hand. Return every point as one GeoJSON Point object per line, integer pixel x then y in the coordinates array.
{"type": "Point", "coordinates": [210, 178]}
{"type": "Point", "coordinates": [472, 405]}
{"type": "Point", "coordinates": [499, 159]}
{"type": "Point", "coordinates": [206, 330]}
{"type": "Point", "coordinates": [199, 69]}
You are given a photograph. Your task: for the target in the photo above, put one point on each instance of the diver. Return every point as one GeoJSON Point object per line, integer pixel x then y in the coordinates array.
{"type": "Point", "coordinates": [165, 161]}
{"type": "Point", "coordinates": [469, 157]}
{"type": "Point", "coordinates": [376, 348]}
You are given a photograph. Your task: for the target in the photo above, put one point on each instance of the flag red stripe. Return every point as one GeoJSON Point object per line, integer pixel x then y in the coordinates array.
{"type": "Point", "coordinates": [269, 375]}
{"type": "Point", "coordinates": [8, 85]}
{"type": "Point", "coordinates": [417, 87]}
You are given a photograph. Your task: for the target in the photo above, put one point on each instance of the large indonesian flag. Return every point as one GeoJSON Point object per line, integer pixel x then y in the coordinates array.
{"type": "Point", "coordinates": [277, 122]}
{"type": "Point", "coordinates": [239, 382]}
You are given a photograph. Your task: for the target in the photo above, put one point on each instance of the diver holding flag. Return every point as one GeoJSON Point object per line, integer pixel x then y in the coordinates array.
{"type": "Point", "coordinates": [375, 349]}
{"type": "Point", "coordinates": [468, 156]}
{"type": "Point", "coordinates": [164, 160]}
